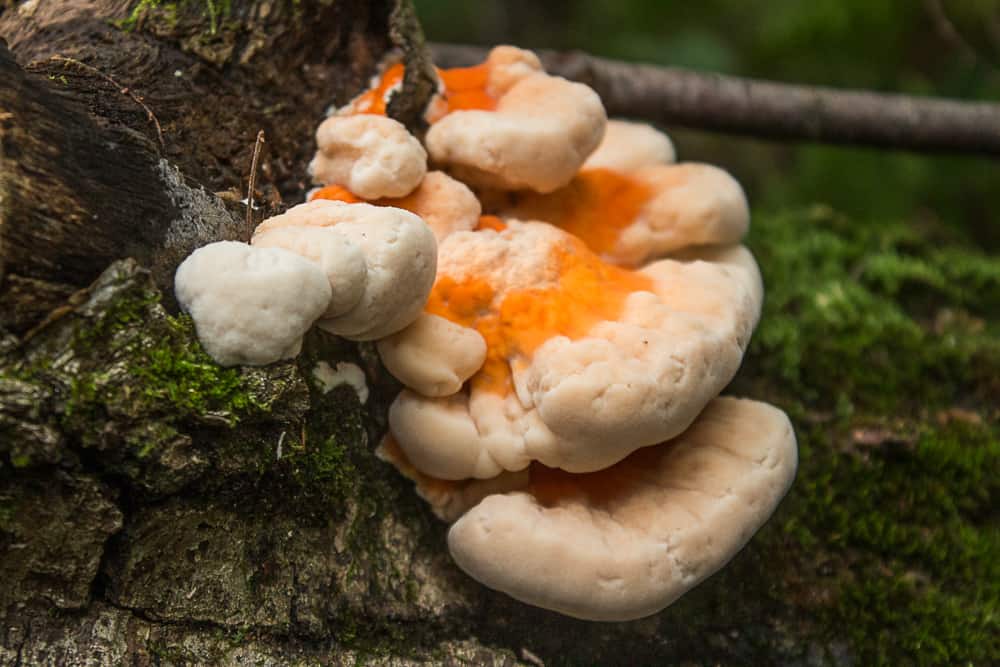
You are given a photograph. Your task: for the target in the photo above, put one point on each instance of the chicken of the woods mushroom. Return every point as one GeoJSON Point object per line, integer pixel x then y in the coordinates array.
{"type": "Point", "coordinates": [563, 303]}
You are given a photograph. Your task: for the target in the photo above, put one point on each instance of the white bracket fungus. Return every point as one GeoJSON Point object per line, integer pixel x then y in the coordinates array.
{"type": "Point", "coordinates": [601, 361]}
{"type": "Point", "coordinates": [340, 259]}
{"type": "Point", "coordinates": [400, 256]}
{"type": "Point", "coordinates": [250, 305]}
{"type": "Point", "coordinates": [625, 543]}
{"type": "Point", "coordinates": [433, 356]}
{"type": "Point", "coordinates": [372, 156]}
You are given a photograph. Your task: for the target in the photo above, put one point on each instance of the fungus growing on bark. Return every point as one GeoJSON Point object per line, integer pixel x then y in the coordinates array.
{"type": "Point", "coordinates": [629, 205]}
{"type": "Point", "coordinates": [563, 334]}
{"type": "Point", "coordinates": [250, 305]}
{"type": "Point", "coordinates": [503, 124]}
{"type": "Point", "coordinates": [565, 371]}
{"type": "Point", "coordinates": [623, 542]}
{"type": "Point", "coordinates": [586, 362]}
{"type": "Point", "coordinates": [399, 254]}
{"type": "Point", "coordinates": [372, 156]}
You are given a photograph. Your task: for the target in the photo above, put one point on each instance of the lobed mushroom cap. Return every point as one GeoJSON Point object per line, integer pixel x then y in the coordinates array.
{"type": "Point", "coordinates": [250, 305]}
{"type": "Point", "coordinates": [595, 370]}
{"type": "Point", "coordinates": [400, 257]}
{"type": "Point", "coordinates": [508, 65]}
{"type": "Point", "coordinates": [541, 131]}
{"type": "Point", "coordinates": [339, 258]}
{"type": "Point", "coordinates": [631, 217]}
{"type": "Point", "coordinates": [624, 543]}
{"type": "Point", "coordinates": [694, 204]}
{"type": "Point", "coordinates": [433, 356]}
{"type": "Point", "coordinates": [373, 156]}
{"type": "Point", "coordinates": [446, 205]}
{"type": "Point", "coordinates": [627, 146]}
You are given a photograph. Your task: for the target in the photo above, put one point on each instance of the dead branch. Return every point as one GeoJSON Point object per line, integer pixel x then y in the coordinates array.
{"type": "Point", "coordinates": [771, 110]}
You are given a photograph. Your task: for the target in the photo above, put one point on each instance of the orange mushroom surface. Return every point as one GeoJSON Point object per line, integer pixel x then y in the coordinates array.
{"type": "Point", "coordinates": [585, 361]}
{"type": "Point", "coordinates": [504, 123]}
{"type": "Point", "coordinates": [462, 88]}
{"type": "Point", "coordinates": [631, 217]}
{"type": "Point", "coordinates": [596, 206]}
{"type": "Point", "coordinates": [515, 319]}
{"type": "Point", "coordinates": [335, 193]}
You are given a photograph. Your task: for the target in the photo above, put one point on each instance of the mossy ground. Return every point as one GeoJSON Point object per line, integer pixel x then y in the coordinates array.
{"type": "Point", "coordinates": [882, 341]}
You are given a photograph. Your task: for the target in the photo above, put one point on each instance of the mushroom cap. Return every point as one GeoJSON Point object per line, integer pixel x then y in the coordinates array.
{"type": "Point", "coordinates": [339, 257]}
{"type": "Point", "coordinates": [433, 356]}
{"type": "Point", "coordinates": [627, 146]}
{"type": "Point", "coordinates": [446, 205]}
{"type": "Point", "coordinates": [507, 65]}
{"type": "Point", "coordinates": [250, 305]}
{"type": "Point", "coordinates": [541, 131]}
{"type": "Point", "coordinates": [586, 362]}
{"type": "Point", "coordinates": [631, 217]}
{"type": "Point", "coordinates": [400, 258]}
{"type": "Point", "coordinates": [694, 204]}
{"type": "Point", "coordinates": [625, 542]}
{"type": "Point", "coordinates": [373, 156]}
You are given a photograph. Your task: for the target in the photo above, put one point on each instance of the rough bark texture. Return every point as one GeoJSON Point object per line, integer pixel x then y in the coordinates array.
{"type": "Point", "coordinates": [156, 509]}
{"type": "Point", "coordinates": [765, 109]}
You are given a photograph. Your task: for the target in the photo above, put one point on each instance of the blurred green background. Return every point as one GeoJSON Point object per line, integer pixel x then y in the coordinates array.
{"type": "Point", "coordinates": [881, 327]}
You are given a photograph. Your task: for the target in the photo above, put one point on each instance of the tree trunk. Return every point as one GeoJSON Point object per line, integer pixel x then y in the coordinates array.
{"type": "Point", "coordinates": [156, 509]}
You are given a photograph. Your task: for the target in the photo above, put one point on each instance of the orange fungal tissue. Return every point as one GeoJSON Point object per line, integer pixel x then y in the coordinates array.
{"type": "Point", "coordinates": [583, 291]}
{"type": "Point", "coordinates": [462, 88]}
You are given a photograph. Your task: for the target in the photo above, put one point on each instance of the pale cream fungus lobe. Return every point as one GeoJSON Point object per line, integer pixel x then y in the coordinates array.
{"type": "Point", "coordinates": [504, 123]}
{"type": "Point", "coordinates": [585, 362]}
{"type": "Point", "coordinates": [400, 256]}
{"type": "Point", "coordinates": [446, 205]}
{"type": "Point", "coordinates": [372, 156]}
{"type": "Point", "coordinates": [626, 541]}
{"type": "Point", "coordinates": [629, 205]}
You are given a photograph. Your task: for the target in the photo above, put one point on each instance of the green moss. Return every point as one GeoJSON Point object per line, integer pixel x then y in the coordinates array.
{"type": "Point", "coordinates": [122, 372]}
{"type": "Point", "coordinates": [873, 315]}
{"type": "Point", "coordinates": [872, 333]}
{"type": "Point", "coordinates": [178, 372]}
{"type": "Point", "coordinates": [212, 10]}
{"type": "Point", "coordinates": [906, 531]}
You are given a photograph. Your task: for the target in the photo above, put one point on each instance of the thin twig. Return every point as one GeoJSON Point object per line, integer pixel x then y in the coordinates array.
{"type": "Point", "coordinates": [765, 109]}
{"type": "Point", "coordinates": [123, 89]}
{"type": "Point", "coordinates": [253, 182]}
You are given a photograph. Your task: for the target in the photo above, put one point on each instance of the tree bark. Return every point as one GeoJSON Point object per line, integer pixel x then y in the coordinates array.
{"type": "Point", "coordinates": [156, 509]}
{"type": "Point", "coordinates": [73, 198]}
